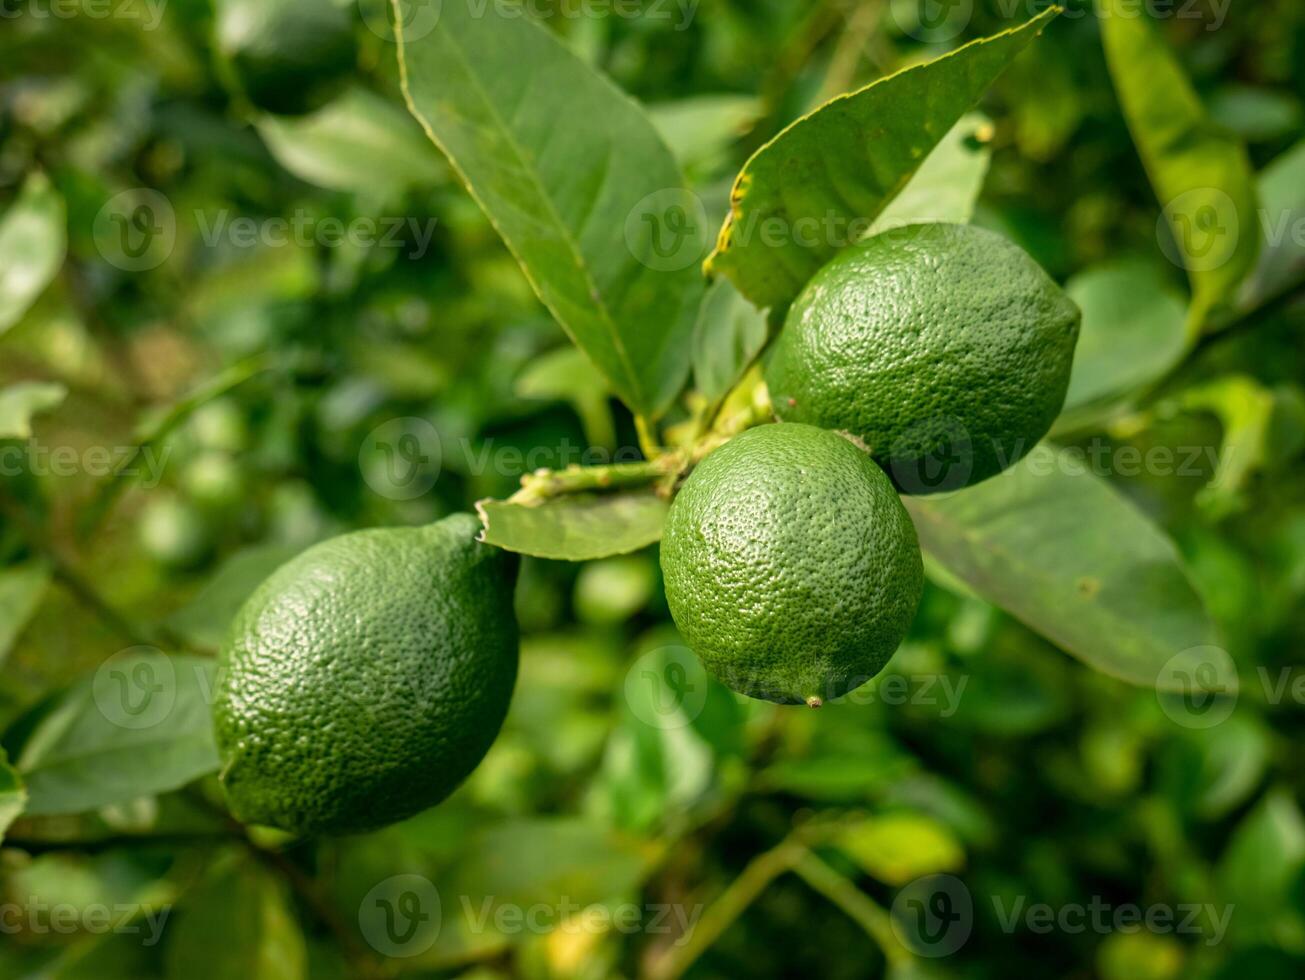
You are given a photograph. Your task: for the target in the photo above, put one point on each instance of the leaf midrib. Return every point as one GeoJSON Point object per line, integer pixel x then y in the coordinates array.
{"type": "Point", "coordinates": [618, 342]}
{"type": "Point", "coordinates": [967, 533]}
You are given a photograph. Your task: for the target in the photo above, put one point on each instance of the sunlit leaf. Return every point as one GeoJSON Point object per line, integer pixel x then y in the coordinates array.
{"type": "Point", "coordinates": [33, 238]}
{"type": "Point", "coordinates": [359, 142]}
{"type": "Point", "coordinates": [947, 185]}
{"type": "Point", "coordinates": [22, 587]}
{"type": "Point", "coordinates": [699, 130]}
{"type": "Point", "coordinates": [576, 527]}
{"type": "Point", "coordinates": [20, 402]}
{"type": "Point", "coordinates": [1200, 173]}
{"type": "Point", "coordinates": [1261, 427]}
{"type": "Point", "coordinates": [13, 797]}
{"type": "Point", "coordinates": [899, 847]}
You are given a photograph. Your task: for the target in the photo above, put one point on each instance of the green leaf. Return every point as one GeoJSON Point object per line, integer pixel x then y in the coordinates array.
{"type": "Point", "coordinates": [1259, 867]}
{"type": "Point", "coordinates": [845, 776]}
{"type": "Point", "coordinates": [899, 847]}
{"type": "Point", "coordinates": [539, 860]}
{"type": "Point", "coordinates": [204, 620]}
{"type": "Point", "coordinates": [33, 239]}
{"type": "Point", "coordinates": [22, 587]}
{"type": "Point", "coordinates": [1211, 771]}
{"type": "Point", "coordinates": [657, 765]}
{"type": "Point", "coordinates": [1200, 173]}
{"type": "Point", "coordinates": [1281, 265]}
{"type": "Point", "coordinates": [819, 184]}
{"type": "Point", "coordinates": [947, 185]}
{"type": "Point", "coordinates": [237, 925]}
{"type": "Point", "coordinates": [1256, 434]}
{"type": "Point", "coordinates": [1140, 956]}
{"type": "Point", "coordinates": [576, 527]}
{"type": "Point", "coordinates": [1062, 551]}
{"type": "Point", "coordinates": [1133, 331]}
{"type": "Point", "coordinates": [729, 334]}
{"type": "Point", "coordinates": [700, 130]}
{"type": "Point", "coordinates": [20, 402]}
{"type": "Point", "coordinates": [567, 375]}
{"type": "Point", "coordinates": [139, 726]}
{"type": "Point", "coordinates": [13, 797]}
{"type": "Point", "coordinates": [575, 178]}
{"type": "Point", "coordinates": [360, 142]}
{"type": "Point", "coordinates": [1256, 114]}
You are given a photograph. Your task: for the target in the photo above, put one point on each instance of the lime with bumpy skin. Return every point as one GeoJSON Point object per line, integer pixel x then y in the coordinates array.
{"type": "Point", "coordinates": [791, 567]}
{"type": "Point", "coordinates": [366, 678]}
{"type": "Point", "coordinates": [945, 348]}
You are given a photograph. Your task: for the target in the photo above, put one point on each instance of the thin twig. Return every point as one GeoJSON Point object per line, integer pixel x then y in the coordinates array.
{"type": "Point", "coordinates": [733, 902]}
{"type": "Point", "coordinates": [71, 579]}
{"type": "Point", "coordinates": [858, 906]}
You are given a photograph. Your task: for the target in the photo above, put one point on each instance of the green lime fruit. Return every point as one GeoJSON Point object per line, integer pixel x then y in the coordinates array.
{"type": "Point", "coordinates": [791, 567]}
{"type": "Point", "coordinates": [173, 533]}
{"type": "Point", "coordinates": [944, 348]}
{"type": "Point", "coordinates": [366, 678]}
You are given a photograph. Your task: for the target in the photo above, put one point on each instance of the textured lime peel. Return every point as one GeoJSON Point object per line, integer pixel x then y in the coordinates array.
{"type": "Point", "coordinates": [791, 566]}
{"type": "Point", "coordinates": [944, 350]}
{"type": "Point", "coordinates": [366, 678]}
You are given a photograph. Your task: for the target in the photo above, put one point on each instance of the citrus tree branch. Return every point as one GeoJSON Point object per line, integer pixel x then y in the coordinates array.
{"type": "Point", "coordinates": [733, 902]}
{"type": "Point", "coordinates": [856, 904]}
{"type": "Point", "coordinates": [545, 484]}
